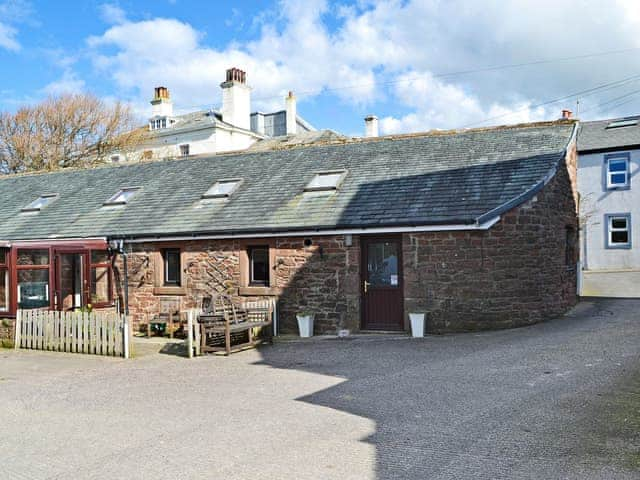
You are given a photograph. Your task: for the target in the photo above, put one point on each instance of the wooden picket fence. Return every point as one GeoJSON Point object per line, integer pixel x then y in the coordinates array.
{"type": "Point", "coordinates": [92, 333]}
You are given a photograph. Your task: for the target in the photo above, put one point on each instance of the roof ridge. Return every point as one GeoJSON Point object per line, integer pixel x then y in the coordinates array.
{"type": "Point", "coordinates": [327, 143]}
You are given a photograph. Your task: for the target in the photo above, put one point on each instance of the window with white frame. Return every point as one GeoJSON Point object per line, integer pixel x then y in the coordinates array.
{"type": "Point", "coordinates": [158, 123]}
{"type": "Point", "coordinates": [326, 181]}
{"type": "Point", "coordinates": [40, 202]}
{"type": "Point", "coordinates": [618, 230]}
{"type": "Point", "coordinates": [617, 171]}
{"type": "Point", "coordinates": [123, 196]}
{"type": "Point", "coordinates": [222, 188]}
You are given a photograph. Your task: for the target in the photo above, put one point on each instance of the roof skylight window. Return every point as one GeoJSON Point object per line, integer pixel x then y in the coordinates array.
{"type": "Point", "coordinates": [123, 196]}
{"type": "Point", "coordinates": [40, 202]}
{"type": "Point", "coordinates": [223, 188]}
{"type": "Point", "coordinates": [623, 123]}
{"type": "Point", "coordinates": [326, 181]}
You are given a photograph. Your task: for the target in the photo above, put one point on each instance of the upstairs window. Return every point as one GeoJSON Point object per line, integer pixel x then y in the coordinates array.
{"type": "Point", "coordinates": [158, 123]}
{"type": "Point", "coordinates": [326, 181]}
{"type": "Point", "coordinates": [617, 171]}
{"type": "Point", "coordinates": [115, 158]}
{"type": "Point", "coordinates": [184, 150]}
{"type": "Point", "coordinates": [618, 230]}
{"type": "Point", "coordinates": [40, 202]}
{"type": "Point", "coordinates": [123, 196]}
{"type": "Point", "coordinates": [223, 188]}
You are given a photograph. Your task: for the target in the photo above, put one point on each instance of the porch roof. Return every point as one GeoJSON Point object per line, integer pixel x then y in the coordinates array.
{"type": "Point", "coordinates": [436, 178]}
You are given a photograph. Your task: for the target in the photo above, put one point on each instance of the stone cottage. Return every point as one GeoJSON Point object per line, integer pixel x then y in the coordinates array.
{"type": "Point", "coordinates": [477, 228]}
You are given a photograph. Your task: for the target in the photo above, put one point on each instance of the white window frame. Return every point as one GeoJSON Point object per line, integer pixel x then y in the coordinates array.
{"type": "Point", "coordinates": [611, 185]}
{"type": "Point", "coordinates": [41, 202]}
{"type": "Point", "coordinates": [610, 230]}
{"type": "Point", "coordinates": [113, 200]}
{"type": "Point", "coordinates": [215, 190]}
{"type": "Point", "coordinates": [315, 186]}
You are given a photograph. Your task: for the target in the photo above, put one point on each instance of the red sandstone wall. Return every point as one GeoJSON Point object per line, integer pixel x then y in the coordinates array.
{"type": "Point", "coordinates": [513, 274]}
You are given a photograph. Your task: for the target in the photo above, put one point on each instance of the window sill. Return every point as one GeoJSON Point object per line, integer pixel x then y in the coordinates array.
{"type": "Point", "coordinates": [257, 291]}
{"type": "Point", "coordinates": [169, 291]}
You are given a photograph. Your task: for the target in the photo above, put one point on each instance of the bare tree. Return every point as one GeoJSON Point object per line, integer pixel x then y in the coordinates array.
{"type": "Point", "coordinates": [74, 130]}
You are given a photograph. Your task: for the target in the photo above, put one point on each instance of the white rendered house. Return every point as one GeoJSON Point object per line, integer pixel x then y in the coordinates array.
{"type": "Point", "coordinates": [233, 127]}
{"type": "Point", "coordinates": [609, 187]}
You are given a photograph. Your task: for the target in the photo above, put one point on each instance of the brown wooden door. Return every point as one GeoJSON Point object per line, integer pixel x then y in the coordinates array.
{"type": "Point", "coordinates": [71, 280]}
{"type": "Point", "coordinates": [382, 296]}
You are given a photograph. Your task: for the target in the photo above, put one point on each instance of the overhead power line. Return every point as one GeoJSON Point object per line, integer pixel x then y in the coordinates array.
{"type": "Point", "coordinates": [583, 93]}
{"type": "Point", "coordinates": [443, 75]}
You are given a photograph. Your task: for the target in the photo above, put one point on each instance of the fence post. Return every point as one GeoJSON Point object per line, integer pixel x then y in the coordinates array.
{"type": "Point", "coordinates": [18, 328]}
{"type": "Point", "coordinates": [190, 334]}
{"type": "Point", "coordinates": [125, 334]}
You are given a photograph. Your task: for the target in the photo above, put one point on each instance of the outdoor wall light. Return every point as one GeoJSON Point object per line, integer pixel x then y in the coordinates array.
{"type": "Point", "coordinates": [348, 240]}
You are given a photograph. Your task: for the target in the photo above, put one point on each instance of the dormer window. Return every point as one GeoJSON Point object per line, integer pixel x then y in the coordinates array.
{"type": "Point", "coordinates": [326, 181]}
{"type": "Point", "coordinates": [222, 188]}
{"type": "Point", "coordinates": [40, 202]}
{"type": "Point", "coordinates": [123, 196]}
{"type": "Point", "coordinates": [158, 123]}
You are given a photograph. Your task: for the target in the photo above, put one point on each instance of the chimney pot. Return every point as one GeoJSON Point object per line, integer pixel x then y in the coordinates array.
{"type": "Point", "coordinates": [566, 114]}
{"type": "Point", "coordinates": [161, 105]}
{"type": "Point", "coordinates": [370, 126]}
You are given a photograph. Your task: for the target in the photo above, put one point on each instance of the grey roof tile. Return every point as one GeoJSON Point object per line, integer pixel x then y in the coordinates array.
{"type": "Point", "coordinates": [404, 180]}
{"type": "Point", "coordinates": [596, 136]}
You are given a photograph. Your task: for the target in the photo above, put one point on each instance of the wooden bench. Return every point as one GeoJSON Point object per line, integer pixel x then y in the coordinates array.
{"type": "Point", "coordinates": [224, 317]}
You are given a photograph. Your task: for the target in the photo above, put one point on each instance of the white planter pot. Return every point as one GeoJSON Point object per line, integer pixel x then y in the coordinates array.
{"type": "Point", "coordinates": [305, 325]}
{"type": "Point", "coordinates": [417, 324]}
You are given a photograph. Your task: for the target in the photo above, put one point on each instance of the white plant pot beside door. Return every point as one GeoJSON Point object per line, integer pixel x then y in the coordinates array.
{"type": "Point", "coordinates": [417, 324]}
{"type": "Point", "coordinates": [305, 325]}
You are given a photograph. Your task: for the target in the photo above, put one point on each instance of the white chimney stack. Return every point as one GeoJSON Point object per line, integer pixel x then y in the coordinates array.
{"type": "Point", "coordinates": [370, 126]}
{"type": "Point", "coordinates": [236, 99]}
{"type": "Point", "coordinates": [161, 105]}
{"type": "Point", "coordinates": [292, 115]}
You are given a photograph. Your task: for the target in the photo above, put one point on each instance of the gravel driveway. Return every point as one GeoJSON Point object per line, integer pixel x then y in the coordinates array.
{"type": "Point", "coordinates": [551, 401]}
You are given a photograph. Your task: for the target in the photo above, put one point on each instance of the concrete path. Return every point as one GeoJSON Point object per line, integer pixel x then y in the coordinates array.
{"type": "Point", "coordinates": [553, 401]}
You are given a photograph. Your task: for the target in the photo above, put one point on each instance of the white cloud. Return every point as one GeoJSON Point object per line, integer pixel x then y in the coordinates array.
{"type": "Point", "coordinates": [372, 46]}
{"type": "Point", "coordinates": [8, 38]}
{"type": "Point", "coordinates": [112, 13]}
{"type": "Point", "coordinates": [12, 12]}
{"type": "Point", "coordinates": [68, 83]}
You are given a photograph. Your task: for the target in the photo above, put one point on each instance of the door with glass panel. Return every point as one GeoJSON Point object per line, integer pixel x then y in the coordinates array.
{"type": "Point", "coordinates": [382, 295]}
{"type": "Point", "coordinates": [72, 283]}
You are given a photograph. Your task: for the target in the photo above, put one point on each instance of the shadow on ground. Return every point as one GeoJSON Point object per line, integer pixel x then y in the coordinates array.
{"type": "Point", "coordinates": [552, 400]}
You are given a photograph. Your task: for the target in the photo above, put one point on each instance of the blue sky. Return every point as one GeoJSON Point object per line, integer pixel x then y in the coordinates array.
{"type": "Point", "coordinates": [343, 59]}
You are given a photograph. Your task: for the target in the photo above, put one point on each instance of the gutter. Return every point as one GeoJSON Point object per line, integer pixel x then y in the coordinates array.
{"type": "Point", "coordinates": [485, 225]}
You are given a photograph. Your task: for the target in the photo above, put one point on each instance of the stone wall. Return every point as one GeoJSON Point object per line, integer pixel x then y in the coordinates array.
{"type": "Point", "coordinates": [322, 278]}
{"type": "Point", "coordinates": [516, 273]}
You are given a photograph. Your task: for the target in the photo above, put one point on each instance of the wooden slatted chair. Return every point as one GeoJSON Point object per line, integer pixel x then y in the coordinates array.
{"type": "Point", "coordinates": [226, 318]}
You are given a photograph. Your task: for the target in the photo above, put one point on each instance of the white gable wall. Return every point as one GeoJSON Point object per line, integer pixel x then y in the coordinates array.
{"type": "Point", "coordinates": [608, 272]}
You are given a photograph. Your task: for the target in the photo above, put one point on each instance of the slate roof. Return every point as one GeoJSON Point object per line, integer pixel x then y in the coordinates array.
{"type": "Point", "coordinates": [596, 136]}
{"type": "Point", "coordinates": [441, 178]}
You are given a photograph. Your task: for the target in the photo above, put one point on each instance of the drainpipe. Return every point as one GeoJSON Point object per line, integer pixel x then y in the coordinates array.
{"type": "Point", "coordinates": [126, 282]}
{"type": "Point", "coordinates": [118, 247]}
